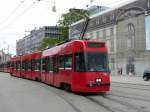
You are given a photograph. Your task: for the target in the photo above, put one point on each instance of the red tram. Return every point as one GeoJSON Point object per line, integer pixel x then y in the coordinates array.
{"type": "Point", "coordinates": [69, 66]}
{"type": "Point", "coordinates": [77, 65]}
{"type": "Point", "coordinates": [27, 66]}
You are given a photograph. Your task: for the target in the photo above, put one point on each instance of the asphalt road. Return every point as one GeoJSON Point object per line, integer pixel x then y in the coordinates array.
{"type": "Point", "coordinates": [20, 95]}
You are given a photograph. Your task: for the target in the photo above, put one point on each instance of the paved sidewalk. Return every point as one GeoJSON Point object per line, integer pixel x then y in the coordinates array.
{"type": "Point", "coordinates": [129, 79]}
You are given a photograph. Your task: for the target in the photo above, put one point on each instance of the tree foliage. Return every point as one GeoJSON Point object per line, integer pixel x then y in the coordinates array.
{"type": "Point", "coordinates": [69, 18]}
{"type": "Point", "coordinates": [49, 42]}
{"type": "Point", "coordinates": [72, 16]}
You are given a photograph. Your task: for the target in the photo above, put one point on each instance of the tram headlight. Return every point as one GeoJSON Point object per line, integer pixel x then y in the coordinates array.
{"type": "Point", "coordinates": [98, 80]}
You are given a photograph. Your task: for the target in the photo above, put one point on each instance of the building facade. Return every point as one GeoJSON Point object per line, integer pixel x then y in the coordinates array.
{"type": "Point", "coordinates": [125, 29]}
{"type": "Point", "coordinates": [31, 42]}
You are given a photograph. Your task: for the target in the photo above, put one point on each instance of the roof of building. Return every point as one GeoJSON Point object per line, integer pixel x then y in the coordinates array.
{"type": "Point", "coordinates": [106, 11]}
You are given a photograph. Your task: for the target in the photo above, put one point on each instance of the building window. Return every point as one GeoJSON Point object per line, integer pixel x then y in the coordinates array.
{"type": "Point", "coordinates": [112, 63]}
{"type": "Point", "coordinates": [107, 32]}
{"type": "Point", "coordinates": [97, 21]}
{"type": "Point", "coordinates": [112, 46]}
{"type": "Point", "coordinates": [112, 17]}
{"type": "Point", "coordinates": [131, 36]}
{"type": "Point", "coordinates": [111, 31]}
{"type": "Point", "coordinates": [148, 4]}
{"type": "Point", "coordinates": [97, 34]}
{"type": "Point", "coordinates": [104, 33]}
{"type": "Point", "coordinates": [104, 19]}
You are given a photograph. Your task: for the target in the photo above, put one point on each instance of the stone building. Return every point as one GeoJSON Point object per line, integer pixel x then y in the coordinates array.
{"type": "Point", "coordinates": [125, 29]}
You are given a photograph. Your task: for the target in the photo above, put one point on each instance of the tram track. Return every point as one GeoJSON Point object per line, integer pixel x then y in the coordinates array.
{"type": "Point", "coordinates": [62, 96]}
{"type": "Point", "coordinates": [95, 100]}
{"type": "Point", "coordinates": [107, 102]}
{"type": "Point", "coordinates": [104, 105]}
{"type": "Point", "coordinates": [127, 104]}
{"type": "Point", "coordinates": [131, 86]}
{"type": "Point", "coordinates": [113, 109]}
{"type": "Point", "coordinates": [101, 104]}
{"type": "Point", "coordinates": [130, 97]}
{"type": "Point", "coordinates": [124, 103]}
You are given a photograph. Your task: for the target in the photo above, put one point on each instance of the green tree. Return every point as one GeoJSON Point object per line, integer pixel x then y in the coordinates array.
{"type": "Point", "coordinates": [69, 18]}
{"type": "Point", "coordinates": [72, 16]}
{"type": "Point", "coordinates": [47, 41]}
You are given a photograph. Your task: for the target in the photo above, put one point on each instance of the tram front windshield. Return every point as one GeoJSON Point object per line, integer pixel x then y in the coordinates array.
{"type": "Point", "coordinates": [91, 62]}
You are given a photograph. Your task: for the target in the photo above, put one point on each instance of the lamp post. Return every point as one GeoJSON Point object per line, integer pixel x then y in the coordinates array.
{"type": "Point", "coordinates": [53, 2]}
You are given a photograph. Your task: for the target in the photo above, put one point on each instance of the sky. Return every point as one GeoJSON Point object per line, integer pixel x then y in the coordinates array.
{"type": "Point", "coordinates": [19, 17]}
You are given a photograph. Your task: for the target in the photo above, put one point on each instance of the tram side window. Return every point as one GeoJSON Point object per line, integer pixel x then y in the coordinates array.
{"type": "Point", "coordinates": [8, 64]}
{"type": "Point", "coordinates": [15, 65]}
{"type": "Point", "coordinates": [38, 61]}
{"type": "Point", "coordinates": [79, 62]}
{"type": "Point", "coordinates": [29, 65]}
{"type": "Point", "coordinates": [55, 64]}
{"type": "Point", "coordinates": [50, 64]}
{"type": "Point", "coordinates": [68, 61]}
{"type": "Point", "coordinates": [18, 65]}
{"type": "Point", "coordinates": [23, 65]}
{"type": "Point", "coordinates": [33, 64]}
{"type": "Point", "coordinates": [62, 62]}
{"type": "Point", "coordinates": [44, 64]}
{"type": "Point", "coordinates": [12, 64]}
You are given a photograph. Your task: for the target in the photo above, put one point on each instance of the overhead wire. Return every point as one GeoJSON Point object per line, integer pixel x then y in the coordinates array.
{"type": "Point", "coordinates": [18, 16]}
{"type": "Point", "coordinates": [12, 12]}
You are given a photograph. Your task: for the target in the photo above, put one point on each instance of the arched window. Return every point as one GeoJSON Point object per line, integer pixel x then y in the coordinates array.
{"type": "Point", "coordinates": [131, 36]}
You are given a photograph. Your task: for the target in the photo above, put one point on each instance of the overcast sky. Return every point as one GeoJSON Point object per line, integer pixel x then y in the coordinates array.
{"type": "Point", "coordinates": [18, 17]}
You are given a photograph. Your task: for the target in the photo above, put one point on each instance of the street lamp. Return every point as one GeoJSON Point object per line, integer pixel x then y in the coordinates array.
{"type": "Point", "coordinates": [53, 2]}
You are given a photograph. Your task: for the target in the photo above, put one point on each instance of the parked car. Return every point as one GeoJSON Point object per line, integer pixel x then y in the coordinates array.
{"type": "Point", "coordinates": [146, 74]}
